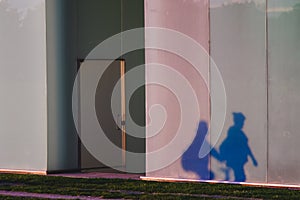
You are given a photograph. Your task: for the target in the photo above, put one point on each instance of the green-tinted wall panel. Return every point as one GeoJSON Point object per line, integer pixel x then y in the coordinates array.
{"type": "Point", "coordinates": [284, 96]}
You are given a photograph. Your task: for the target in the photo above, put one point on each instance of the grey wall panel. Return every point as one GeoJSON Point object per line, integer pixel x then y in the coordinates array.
{"type": "Point", "coordinates": [61, 72]}
{"type": "Point", "coordinates": [23, 100]}
{"type": "Point", "coordinates": [237, 30]}
{"type": "Point", "coordinates": [284, 96]}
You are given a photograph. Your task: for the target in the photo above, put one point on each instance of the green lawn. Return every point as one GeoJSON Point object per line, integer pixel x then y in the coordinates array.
{"type": "Point", "coordinates": [133, 189]}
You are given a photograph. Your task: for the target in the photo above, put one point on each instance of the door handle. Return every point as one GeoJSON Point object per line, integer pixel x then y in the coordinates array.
{"type": "Point", "coordinates": [119, 122]}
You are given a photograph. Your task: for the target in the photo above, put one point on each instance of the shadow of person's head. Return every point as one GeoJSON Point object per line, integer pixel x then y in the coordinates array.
{"type": "Point", "coordinates": [238, 119]}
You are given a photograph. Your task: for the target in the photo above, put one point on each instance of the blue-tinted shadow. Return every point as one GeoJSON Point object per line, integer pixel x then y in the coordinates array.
{"type": "Point", "coordinates": [235, 150]}
{"type": "Point", "coordinates": [190, 158]}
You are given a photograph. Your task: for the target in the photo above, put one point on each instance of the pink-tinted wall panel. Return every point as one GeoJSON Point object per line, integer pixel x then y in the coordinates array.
{"type": "Point", "coordinates": [189, 17]}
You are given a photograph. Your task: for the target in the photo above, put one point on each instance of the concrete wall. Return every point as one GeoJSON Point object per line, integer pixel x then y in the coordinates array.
{"type": "Point", "coordinates": [191, 19]}
{"type": "Point", "coordinates": [255, 46]}
{"type": "Point", "coordinates": [23, 93]}
{"type": "Point", "coordinates": [74, 29]}
{"type": "Point", "coordinates": [99, 20]}
{"type": "Point", "coordinates": [43, 41]}
{"type": "Point", "coordinates": [238, 47]}
{"type": "Point", "coordinates": [61, 71]}
{"type": "Point", "coordinates": [133, 17]}
{"type": "Point", "coordinates": [284, 96]}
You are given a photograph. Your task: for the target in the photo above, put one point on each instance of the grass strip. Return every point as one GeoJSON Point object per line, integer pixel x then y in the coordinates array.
{"type": "Point", "coordinates": [137, 189]}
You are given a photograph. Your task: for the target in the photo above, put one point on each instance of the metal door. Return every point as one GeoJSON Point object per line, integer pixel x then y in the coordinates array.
{"type": "Point", "coordinates": [102, 76]}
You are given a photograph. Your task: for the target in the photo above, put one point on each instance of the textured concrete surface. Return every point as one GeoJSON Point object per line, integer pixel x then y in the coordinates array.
{"type": "Point", "coordinates": [46, 196]}
{"type": "Point", "coordinates": [100, 175]}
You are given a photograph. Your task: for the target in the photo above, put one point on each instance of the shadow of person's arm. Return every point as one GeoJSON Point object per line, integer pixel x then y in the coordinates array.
{"type": "Point", "coordinates": [216, 155]}
{"type": "Point", "coordinates": [254, 161]}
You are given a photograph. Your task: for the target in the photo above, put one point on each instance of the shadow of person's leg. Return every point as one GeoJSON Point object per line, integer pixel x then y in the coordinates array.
{"type": "Point", "coordinates": [239, 174]}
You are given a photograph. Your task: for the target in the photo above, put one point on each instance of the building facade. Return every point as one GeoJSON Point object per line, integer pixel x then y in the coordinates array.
{"type": "Point", "coordinates": [223, 72]}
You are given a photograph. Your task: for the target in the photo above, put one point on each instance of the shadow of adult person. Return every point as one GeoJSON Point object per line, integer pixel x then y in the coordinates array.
{"type": "Point", "coordinates": [190, 158]}
{"type": "Point", "coordinates": [235, 150]}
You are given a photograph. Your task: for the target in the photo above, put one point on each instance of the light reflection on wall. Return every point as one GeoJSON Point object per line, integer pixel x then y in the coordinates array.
{"type": "Point", "coordinates": [21, 8]}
